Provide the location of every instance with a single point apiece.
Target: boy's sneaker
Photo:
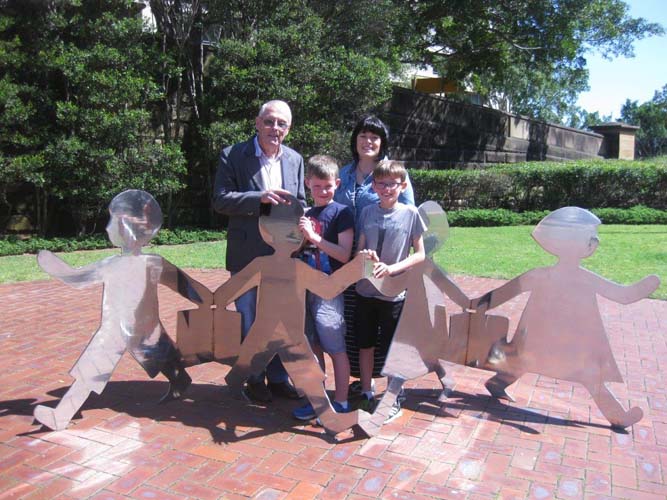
(394, 412)
(305, 412)
(338, 408)
(367, 404)
(354, 389)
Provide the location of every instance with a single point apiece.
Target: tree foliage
(77, 87)
(529, 55)
(651, 117)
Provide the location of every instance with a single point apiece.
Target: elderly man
(252, 176)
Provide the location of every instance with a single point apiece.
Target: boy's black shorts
(374, 317)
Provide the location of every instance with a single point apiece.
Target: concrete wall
(436, 133)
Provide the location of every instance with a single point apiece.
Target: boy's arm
(381, 269)
(341, 251)
(78, 277)
(626, 294)
(183, 284)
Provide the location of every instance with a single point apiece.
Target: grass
(625, 255)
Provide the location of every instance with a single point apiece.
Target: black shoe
(257, 392)
(284, 390)
(179, 381)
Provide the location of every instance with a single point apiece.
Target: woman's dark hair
(372, 124)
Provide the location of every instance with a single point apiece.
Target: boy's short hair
(390, 168)
(322, 167)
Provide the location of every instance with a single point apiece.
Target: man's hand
(275, 196)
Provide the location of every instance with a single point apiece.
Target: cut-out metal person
(560, 333)
(130, 310)
(421, 341)
(282, 282)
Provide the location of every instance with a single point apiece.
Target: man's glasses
(282, 125)
(387, 185)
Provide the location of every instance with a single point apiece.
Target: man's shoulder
(291, 154)
(245, 147)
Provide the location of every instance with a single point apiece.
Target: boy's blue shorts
(325, 323)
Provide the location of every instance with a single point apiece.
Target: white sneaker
(394, 412)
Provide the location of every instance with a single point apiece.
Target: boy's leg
(329, 322)
(91, 373)
(385, 408)
(366, 326)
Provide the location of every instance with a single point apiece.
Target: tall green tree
(651, 117)
(78, 87)
(529, 56)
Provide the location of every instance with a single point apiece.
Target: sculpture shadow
(228, 418)
(486, 407)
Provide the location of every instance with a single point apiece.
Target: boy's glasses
(268, 122)
(387, 185)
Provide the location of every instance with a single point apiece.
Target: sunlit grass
(625, 255)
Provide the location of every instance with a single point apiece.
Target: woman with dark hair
(369, 144)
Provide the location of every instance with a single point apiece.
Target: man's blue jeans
(246, 304)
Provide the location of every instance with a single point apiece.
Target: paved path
(551, 443)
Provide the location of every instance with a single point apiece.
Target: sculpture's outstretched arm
(336, 283)
(626, 294)
(238, 284)
(78, 277)
(446, 285)
(503, 293)
(183, 284)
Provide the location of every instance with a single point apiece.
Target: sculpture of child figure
(279, 327)
(130, 311)
(422, 342)
(560, 333)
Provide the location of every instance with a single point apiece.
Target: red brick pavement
(551, 443)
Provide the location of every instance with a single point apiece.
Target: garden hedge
(547, 185)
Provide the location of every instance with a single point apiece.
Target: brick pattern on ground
(551, 443)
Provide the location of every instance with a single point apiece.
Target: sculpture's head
(569, 232)
(280, 227)
(435, 219)
(135, 218)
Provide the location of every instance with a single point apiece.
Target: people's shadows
(227, 417)
(490, 409)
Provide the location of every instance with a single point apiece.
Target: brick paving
(551, 443)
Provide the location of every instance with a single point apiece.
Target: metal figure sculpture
(422, 342)
(130, 319)
(560, 333)
(282, 282)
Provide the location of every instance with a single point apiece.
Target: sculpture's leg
(446, 382)
(91, 373)
(497, 384)
(249, 362)
(612, 409)
(308, 378)
(371, 424)
(57, 418)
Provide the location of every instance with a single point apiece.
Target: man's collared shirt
(270, 170)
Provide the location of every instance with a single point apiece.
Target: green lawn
(626, 254)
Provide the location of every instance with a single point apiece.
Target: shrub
(547, 185)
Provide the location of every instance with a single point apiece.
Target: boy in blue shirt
(329, 231)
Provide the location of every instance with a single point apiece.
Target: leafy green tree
(528, 55)
(77, 89)
(651, 117)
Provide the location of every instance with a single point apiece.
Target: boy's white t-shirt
(390, 233)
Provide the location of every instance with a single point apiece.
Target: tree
(77, 89)
(527, 54)
(651, 117)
